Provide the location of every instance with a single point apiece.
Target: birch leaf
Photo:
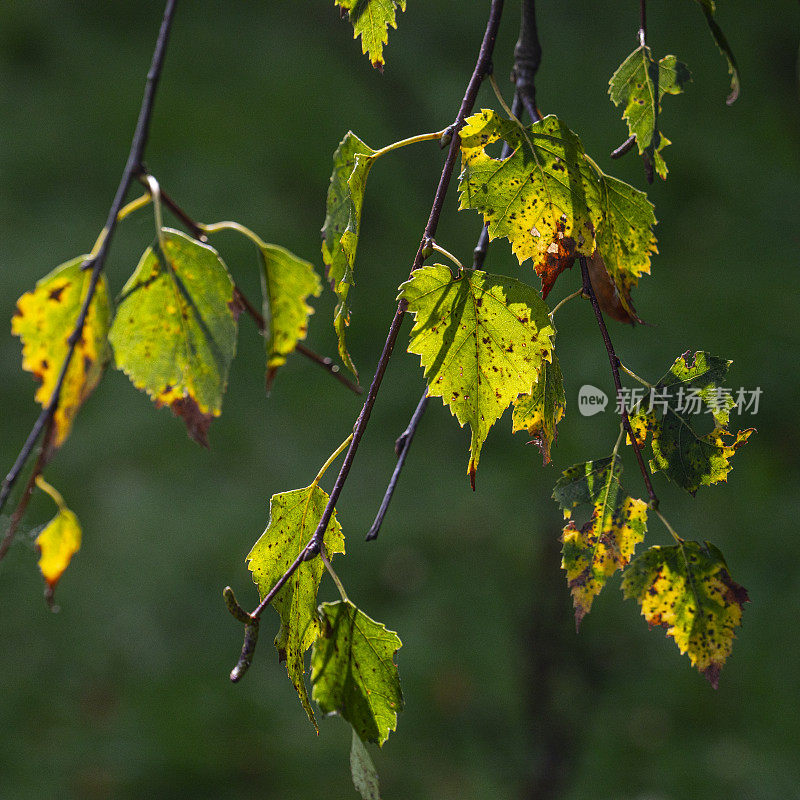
(709, 9)
(293, 518)
(286, 282)
(351, 164)
(365, 776)
(539, 412)
(553, 203)
(482, 340)
(687, 588)
(605, 544)
(44, 321)
(371, 20)
(174, 334)
(353, 671)
(58, 541)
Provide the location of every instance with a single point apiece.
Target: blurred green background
(124, 693)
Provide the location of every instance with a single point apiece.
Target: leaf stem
(96, 262)
(339, 450)
(52, 491)
(326, 561)
(216, 227)
(615, 363)
(134, 205)
(421, 137)
(155, 193)
(482, 68)
(500, 99)
(578, 293)
(432, 244)
(669, 527)
(635, 376)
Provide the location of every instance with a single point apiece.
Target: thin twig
(614, 361)
(482, 68)
(527, 59)
(326, 363)
(643, 23)
(402, 446)
(133, 167)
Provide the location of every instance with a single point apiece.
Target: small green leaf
(553, 203)
(293, 518)
(721, 41)
(636, 83)
(353, 671)
(606, 542)
(174, 334)
(482, 340)
(365, 776)
(539, 412)
(351, 164)
(692, 389)
(687, 589)
(286, 282)
(44, 320)
(371, 20)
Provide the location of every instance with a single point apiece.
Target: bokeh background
(124, 693)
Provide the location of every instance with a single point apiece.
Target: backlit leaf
(293, 518)
(687, 588)
(709, 8)
(351, 164)
(640, 83)
(539, 412)
(286, 282)
(365, 776)
(553, 203)
(57, 543)
(690, 393)
(371, 20)
(44, 320)
(482, 340)
(605, 544)
(174, 334)
(353, 671)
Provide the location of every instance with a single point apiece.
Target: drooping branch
(133, 168)
(614, 361)
(482, 68)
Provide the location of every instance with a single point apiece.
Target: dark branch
(133, 167)
(527, 58)
(614, 361)
(482, 68)
(401, 447)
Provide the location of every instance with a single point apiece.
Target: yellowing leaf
(44, 320)
(687, 589)
(640, 83)
(606, 542)
(371, 20)
(351, 164)
(353, 671)
(286, 281)
(174, 334)
(552, 202)
(539, 412)
(482, 340)
(294, 517)
(58, 541)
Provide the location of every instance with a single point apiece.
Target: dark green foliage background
(124, 694)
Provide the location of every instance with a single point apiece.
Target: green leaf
(371, 20)
(365, 776)
(353, 671)
(294, 517)
(351, 164)
(174, 334)
(640, 83)
(553, 203)
(44, 320)
(286, 282)
(692, 389)
(539, 412)
(606, 542)
(687, 588)
(721, 41)
(482, 340)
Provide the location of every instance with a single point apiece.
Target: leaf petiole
(635, 376)
(669, 527)
(155, 194)
(421, 137)
(54, 493)
(325, 560)
(339, 450)
(216, 227)
(569, 297)
(436, 248)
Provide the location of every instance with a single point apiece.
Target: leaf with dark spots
(175, 333)
(44, 321)
(478, 359)
(687, 588)
(539, 412)
(371, 20)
